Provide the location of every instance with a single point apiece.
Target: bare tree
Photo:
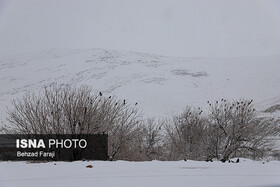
(61, 109)
(234, 128)
(152, 140)
(186, 133)
(228, 130)
(124, 129)
(146, 144)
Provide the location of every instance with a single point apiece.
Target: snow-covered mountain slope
(161, 85)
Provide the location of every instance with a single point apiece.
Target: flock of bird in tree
(124, 101)
(238, 106)
(225, 106)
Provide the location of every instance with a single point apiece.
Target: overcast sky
(168, 27)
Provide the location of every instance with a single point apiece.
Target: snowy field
(141, 174)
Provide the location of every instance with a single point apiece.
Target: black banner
(53, 147)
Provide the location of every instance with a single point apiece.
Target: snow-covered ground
(141, 174)
(161, 85)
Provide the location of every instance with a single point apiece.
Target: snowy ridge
(161, 85)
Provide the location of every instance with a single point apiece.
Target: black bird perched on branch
(85, 110)
(109, 97)
(136, 103)
(100, 94)
(124, 101)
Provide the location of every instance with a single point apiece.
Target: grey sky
(168, 27)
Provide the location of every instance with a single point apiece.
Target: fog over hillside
(160, 85)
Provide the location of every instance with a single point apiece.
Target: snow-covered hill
(161, 85)
(141, 174)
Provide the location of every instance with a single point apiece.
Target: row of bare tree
(228, 129)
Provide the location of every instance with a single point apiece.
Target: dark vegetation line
(222, 131)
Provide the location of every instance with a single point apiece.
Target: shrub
(229, 129)
(61, 109)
